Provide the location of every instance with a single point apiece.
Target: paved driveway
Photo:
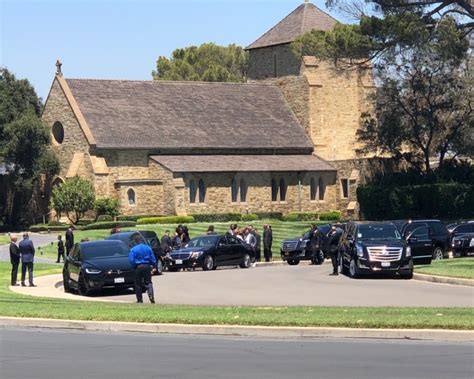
(282, 286)
(38, 240)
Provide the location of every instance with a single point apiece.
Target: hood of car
(107, 264)
(387, 243)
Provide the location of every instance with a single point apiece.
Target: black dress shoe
(23, 284)
(334, 274)
(152, 301)
(32, 285)
(139, 302)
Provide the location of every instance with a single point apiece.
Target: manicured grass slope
(456, 268)
(281, 231)
(4, 239)
(15, 305)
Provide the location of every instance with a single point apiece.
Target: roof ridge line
(185, 82)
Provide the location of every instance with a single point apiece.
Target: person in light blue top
(143, 261)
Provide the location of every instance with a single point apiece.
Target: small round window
(58, 132)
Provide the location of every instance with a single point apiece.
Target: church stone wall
(272, 62)
(259, 193)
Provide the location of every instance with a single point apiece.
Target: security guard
(143, 262)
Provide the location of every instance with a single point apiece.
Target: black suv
(430, 238)
(374, 247)
(294, 250)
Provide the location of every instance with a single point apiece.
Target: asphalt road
(300, 285)
(39, 354)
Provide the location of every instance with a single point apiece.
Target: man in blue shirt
(143, 261)
(27, 252)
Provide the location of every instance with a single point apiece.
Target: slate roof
(187, 115)
(242, 163)
(302, 20)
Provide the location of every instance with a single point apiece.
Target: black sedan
(92, 266)
(463, 245)
(211, 251)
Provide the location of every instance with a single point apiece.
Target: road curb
(444, 280)
(241, 331)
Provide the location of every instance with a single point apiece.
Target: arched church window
(243, 191)
(202, 191)
(313, 189)
(131, 197)
(233, 190)
(192, 192)
(274, 190)
(283, 189)
(322, 189)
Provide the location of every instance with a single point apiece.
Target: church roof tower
(303, 19)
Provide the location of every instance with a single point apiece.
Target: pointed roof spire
(302, 20)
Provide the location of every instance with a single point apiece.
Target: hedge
(441, 200)
(269, 215)
(330, 216)
(217, 217)
(249, 217)
(135, 217)
(166, 220)
(109, 225)
(45, 228)
(103, 218)
(301, 216)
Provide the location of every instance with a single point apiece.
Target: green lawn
(281, 231)
(456, 268)
(15, 305)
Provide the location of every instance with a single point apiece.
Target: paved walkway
(38, 240)
(278, 286)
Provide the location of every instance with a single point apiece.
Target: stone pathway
(38, 240)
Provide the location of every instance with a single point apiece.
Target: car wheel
(438, 254)
(82, 287)
(208, 263)
(245, 261)
(408, 274)
(159, 267)
(353, 269)
(319, 258)
(293, 262)
(66, 285)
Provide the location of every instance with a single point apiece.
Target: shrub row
(45, 227)
(227, 217)
(103, 218)
(109, 225)
(135, 217)
(166, 220)
(311, 216)
(442, 200)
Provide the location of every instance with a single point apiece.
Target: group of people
(179, 239)
(320, 241)
(24, 252)
(251, 237)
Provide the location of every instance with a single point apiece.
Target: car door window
(464, 228)
(438, 228)
(232, 240)
(222, 242)
(421, 233)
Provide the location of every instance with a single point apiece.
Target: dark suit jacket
(27, 251)
(69, 239)
(267, 239)
(14, 254)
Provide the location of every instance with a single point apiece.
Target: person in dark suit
(267, 242)
(315, 244)
(258, 247)
(27, 251)
(14, 259)
(334, 237)
(60, 249)
(69, 239)
(166, 242)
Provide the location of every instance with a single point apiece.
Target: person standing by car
(143, 261)
(267, 242)
(69, 239)
(334, 237)
(27, 251)
(166, 242)
(210, 231)
(258, 249)
(315, 240)
(60, 249)
(14, 259)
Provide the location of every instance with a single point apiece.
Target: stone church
(285, 141)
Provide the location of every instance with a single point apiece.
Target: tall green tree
(207, 62)
(24, 148)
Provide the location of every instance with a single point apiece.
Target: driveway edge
(241, 331)
(444, 280)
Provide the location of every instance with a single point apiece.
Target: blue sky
(121, 39)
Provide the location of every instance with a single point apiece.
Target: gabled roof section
(302, 20)
(124, 114)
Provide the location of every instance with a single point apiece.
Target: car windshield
(205, 241)
(102, 251)
(378, 232)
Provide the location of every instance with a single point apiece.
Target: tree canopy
(24, 144)
(207, 62)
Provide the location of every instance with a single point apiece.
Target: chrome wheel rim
(352, 267)
(438, 254)
(246, 260)
(209, 262)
